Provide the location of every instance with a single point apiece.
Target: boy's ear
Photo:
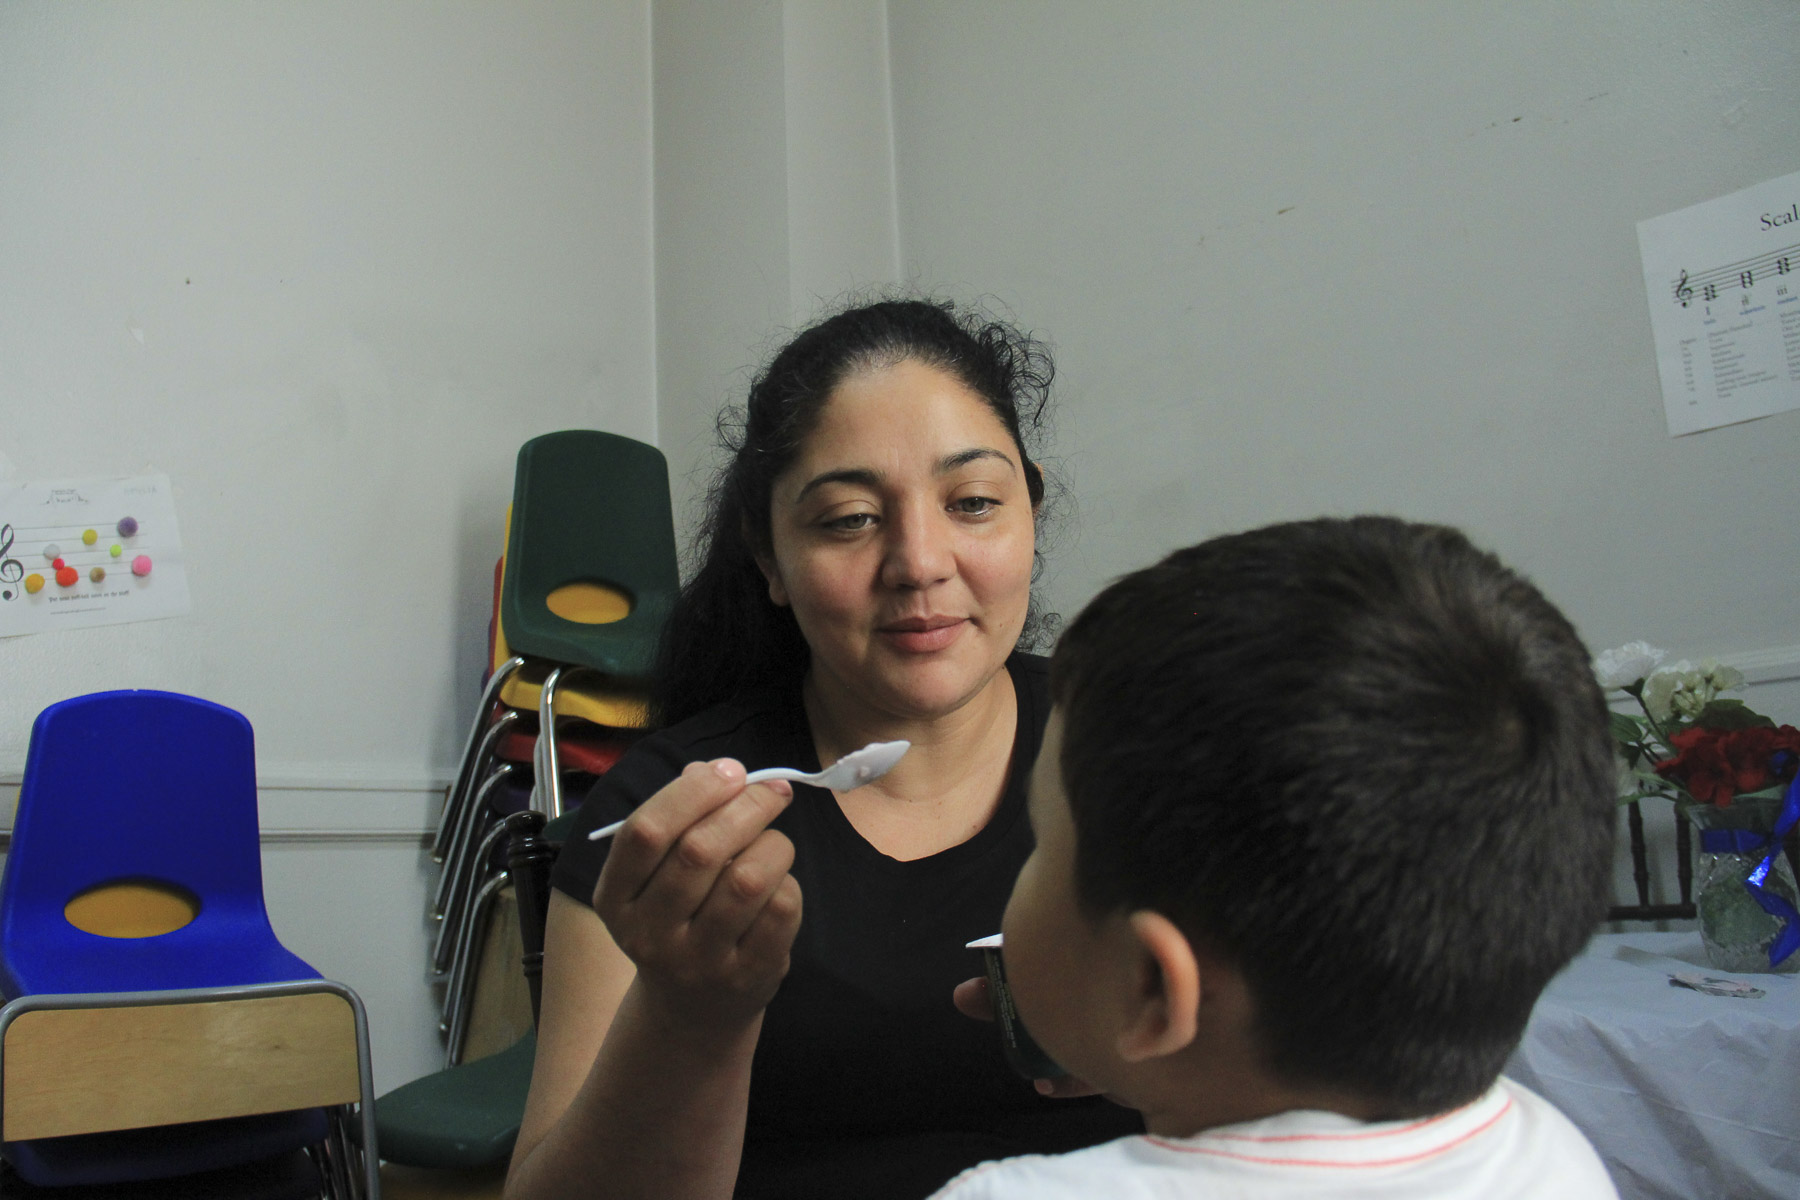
(1165, 1000)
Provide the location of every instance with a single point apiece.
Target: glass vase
(1733, 926)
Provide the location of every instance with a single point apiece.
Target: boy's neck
(1207, 1088)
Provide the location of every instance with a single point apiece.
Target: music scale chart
(1723, 278)
(83, 552)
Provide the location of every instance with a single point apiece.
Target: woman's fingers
(972, 999)
(763, 950)
(1066, 1087)
(740, 892)
(671, 851)
(697, 892)
(723, 865)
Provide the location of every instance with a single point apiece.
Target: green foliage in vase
(1689, 744)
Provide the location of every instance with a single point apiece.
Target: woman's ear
(771, 573)
(765, 562)
(1165, 1002)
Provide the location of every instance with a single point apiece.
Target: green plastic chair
(468, 1116)
(590, 553)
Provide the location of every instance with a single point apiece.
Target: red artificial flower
(1715, 765)
(1700, 766)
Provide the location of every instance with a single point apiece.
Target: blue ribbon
(1788, 940)
(1733, 841)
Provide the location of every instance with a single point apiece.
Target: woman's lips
(922, 635)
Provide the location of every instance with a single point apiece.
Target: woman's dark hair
(724, 636)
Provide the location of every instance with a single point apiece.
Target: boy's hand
(972, 1000)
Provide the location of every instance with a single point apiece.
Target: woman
(866, 577)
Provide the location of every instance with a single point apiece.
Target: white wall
(775, 194)
(1308, 257)
(326, 264)
(1304, 257)
(369, 249)
(721, 216)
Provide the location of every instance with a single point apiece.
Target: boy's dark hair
(724, 636)
(1364, 762)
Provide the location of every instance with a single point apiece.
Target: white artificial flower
(1690, 698)
(1662, 688)
(1723, 678)
(1683, 689)
(1627, 664)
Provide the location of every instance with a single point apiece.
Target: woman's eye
(975, 506)
(852, 523)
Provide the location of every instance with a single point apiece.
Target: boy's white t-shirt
(1510, 1143)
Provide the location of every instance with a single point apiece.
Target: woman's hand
(972, 999)
(696, 892)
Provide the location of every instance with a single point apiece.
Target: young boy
(1321, 809)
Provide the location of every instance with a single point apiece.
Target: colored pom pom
(67, 576)
(97, 574)
(52, 552)
(59, 564)
(34, 583)
(127, 526)
(116, 550)
(140, 565)
(89, 537)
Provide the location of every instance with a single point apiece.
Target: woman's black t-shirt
(867, 1081)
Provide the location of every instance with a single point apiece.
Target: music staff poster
(82, 552)
(1723, 279)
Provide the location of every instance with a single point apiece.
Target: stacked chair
(158, 1040)
(582, 591)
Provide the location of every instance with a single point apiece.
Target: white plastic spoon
(851, 771)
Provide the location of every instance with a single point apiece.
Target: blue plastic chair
(158, 788)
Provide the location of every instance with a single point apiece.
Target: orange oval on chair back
(132, 908)
(589, 603)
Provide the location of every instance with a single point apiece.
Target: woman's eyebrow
(963, 458)
(861, 476)
(869, 477)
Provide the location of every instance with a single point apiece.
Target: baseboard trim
(343, 803)
(324, 805)
(1777, 664)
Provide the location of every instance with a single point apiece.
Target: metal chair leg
(546, 787)
(458, 911)
(458, 871)
(467, 772)
(472, 804)
(335, 1173)
(355, 1158)
(462, 975)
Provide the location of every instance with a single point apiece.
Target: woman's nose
(919, 552)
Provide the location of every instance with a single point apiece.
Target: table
(1684, 1095)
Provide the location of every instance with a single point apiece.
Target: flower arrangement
(1690, 745)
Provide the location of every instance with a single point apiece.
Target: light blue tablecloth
(1686, 1096)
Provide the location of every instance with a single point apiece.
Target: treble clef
(11, 569)
(1683, 293)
